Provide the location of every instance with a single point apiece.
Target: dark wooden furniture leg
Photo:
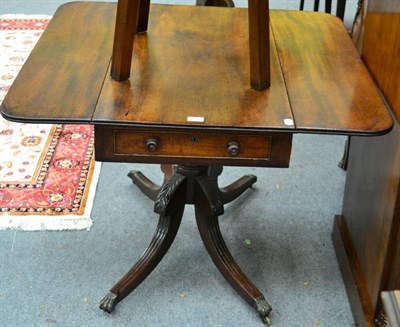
(132, 17)
(125, 29)
(316, 5)
(216, 3)
(143, 19)
(340, 8)
(234, 190)
(208, 206)
(259, 44)
(328, 6)
(170, 206)
(196, 185)
(149, 188)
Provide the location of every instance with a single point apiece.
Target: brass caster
(264, 309)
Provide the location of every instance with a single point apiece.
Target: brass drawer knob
(233, 149)
(151, 144)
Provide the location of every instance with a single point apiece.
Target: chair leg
(328, 6)
(125, 29)
(259, 44)
(143, 19)
(216, 3)
(316, 5)
(340, 8)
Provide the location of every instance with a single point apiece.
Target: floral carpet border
(18, 22)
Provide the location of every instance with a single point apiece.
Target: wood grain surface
(182, 68)
(63, 76)
(329, 87)
(382, 28)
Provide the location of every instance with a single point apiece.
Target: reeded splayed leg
(168, 225)
(208, 206)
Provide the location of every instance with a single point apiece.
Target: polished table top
(191, 70)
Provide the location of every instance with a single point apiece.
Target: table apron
(161, 145)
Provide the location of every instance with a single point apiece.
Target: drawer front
(192, 145)
(161, 146)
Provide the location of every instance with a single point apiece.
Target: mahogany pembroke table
(192, 102)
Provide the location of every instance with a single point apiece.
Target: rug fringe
(43, 223)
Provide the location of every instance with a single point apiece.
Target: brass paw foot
(109, 302)
(264, 309)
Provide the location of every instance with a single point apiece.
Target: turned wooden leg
(207, 222)
(168, 226)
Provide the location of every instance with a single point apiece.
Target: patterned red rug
(48, 175)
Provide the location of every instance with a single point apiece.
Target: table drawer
(126, 144)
